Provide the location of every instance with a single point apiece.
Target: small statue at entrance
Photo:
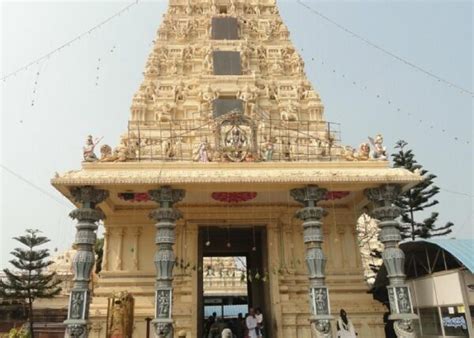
(88, 149)
(120, 316)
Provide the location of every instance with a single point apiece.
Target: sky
(87, 88)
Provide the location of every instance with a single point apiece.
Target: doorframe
(266, 297)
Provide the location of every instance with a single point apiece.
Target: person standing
(259, 317)
(251, 323)
(345, 329)
(240, 326)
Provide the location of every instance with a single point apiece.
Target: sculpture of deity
(208, 62)
(380, 152)
(290, 113)
(207, 96)
(248, 96)
(164, 114)
(120, 316)
(179, 92)
(202, 154)
(363, 153)
(88, 149)
(268, 150)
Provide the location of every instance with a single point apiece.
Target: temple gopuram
(227, 153)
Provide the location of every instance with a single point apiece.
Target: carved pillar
(105, 255)
(87, 216)
(385, 213)
(166, 217)
(311, 216)
(118, 262)
(137, 233)
(341, 231)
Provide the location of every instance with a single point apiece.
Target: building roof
(427, 256)
(185, 173)
(461, 249)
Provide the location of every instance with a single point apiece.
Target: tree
(99, 251)
(29, 281)
(417, 199)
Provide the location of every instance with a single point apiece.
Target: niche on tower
(226, 63)
(225, 28)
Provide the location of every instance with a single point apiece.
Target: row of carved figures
(232, 7)
(201, 28)
(283, 61)
(270, 149)
(364, 152)
(151, 92)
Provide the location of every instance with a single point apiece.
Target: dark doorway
(236, 256)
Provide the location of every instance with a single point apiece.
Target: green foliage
(18, 333)
(418, 199)
(99, 251)
(29, 281)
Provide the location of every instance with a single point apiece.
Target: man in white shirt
(251, 323)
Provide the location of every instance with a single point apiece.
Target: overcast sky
(365, 90)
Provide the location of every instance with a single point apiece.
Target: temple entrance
(234, 276)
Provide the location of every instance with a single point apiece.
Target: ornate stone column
(166, 217)
(87, 216)
(386, 213)
(105, 256)
(315, 260)
(118, 262)
(136, 234)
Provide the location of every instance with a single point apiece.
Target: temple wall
(129, 266)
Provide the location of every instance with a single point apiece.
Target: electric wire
(385, 51)
(68, 43)
(33, 185)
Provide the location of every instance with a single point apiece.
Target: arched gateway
(227, 154)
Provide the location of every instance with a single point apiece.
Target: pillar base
(163, 328)
(321, 326)
(76, 328)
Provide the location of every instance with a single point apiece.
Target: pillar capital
(309, 195)
(88, 196)
(384, 195)
(166, 196)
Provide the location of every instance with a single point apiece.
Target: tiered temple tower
(215, 57)
(226, 133)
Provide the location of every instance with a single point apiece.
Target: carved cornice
(188, 173)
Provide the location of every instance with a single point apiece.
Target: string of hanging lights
(68, 43)
(385, 51)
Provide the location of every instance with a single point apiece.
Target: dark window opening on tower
(227, 63)
(225, 28)
(225, 105)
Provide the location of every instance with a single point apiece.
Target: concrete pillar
(165, 216)
(386, 213)
(311, 215)
(87, 216)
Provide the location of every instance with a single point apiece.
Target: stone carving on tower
(213, 60)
